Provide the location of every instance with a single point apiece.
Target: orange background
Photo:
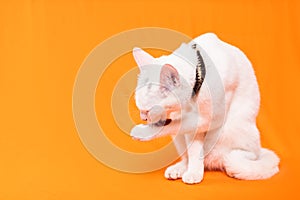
(42, 45)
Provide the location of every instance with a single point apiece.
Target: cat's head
(161, 90)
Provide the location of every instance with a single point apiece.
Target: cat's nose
(144, 115)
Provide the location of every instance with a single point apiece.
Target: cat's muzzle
(156, 115)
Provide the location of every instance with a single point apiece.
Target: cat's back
(223, 56)
(206, 38)
(222, 53)
(229, 60)
(233, 66)
(218, 50)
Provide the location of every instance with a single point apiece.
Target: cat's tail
(246, 165)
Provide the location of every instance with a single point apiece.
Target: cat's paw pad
(192, 177)
(175, 171)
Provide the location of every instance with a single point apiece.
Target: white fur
(237, 149)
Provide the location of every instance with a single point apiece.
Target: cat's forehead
(151, 72)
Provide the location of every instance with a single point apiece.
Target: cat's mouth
(163, 122)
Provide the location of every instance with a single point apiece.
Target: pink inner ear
(169, 76)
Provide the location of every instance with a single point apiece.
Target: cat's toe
(175, 171)
(192, 177)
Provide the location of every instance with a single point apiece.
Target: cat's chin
(163, 122)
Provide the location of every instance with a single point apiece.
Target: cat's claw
(192, 177)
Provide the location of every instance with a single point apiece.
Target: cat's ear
(169, 77)
(141, 57)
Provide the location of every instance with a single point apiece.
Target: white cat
(217, 123)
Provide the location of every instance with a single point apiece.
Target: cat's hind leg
(245, 158)
(246, 165)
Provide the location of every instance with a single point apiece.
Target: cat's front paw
(176, 171)
(142, 132)
(192, 177)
